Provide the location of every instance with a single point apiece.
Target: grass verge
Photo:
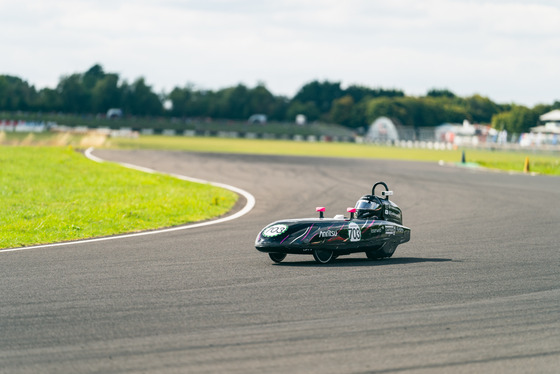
(53, 194)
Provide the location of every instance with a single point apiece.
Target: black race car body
(374, 227)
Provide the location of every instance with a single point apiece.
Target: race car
(374, 227)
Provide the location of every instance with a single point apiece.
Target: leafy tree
(16, 94)
(201, 103)
(95, 91)
(190, 102)
(501, 121)
(341, 111)
(427, 111)
(480, 109)
(180, 99)
(73, 94)
(106, 94)
(231, 103)
(320, 93)
(416, 112)
(92, 76)
(237, 99)
(260, 100)
(358, 114)
(518, 120)
(348, 113)
(49, 100)
(388, 107)
(435, 92)
(309, 109)
(279, 109)
(140, 100)
(76, 90)
(359, 93)
(541, 109)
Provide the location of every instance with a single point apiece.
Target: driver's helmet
(368, 207)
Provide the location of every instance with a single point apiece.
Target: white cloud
(508, 50)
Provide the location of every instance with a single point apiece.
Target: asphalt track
(477, 289)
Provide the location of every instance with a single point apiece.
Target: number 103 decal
(274, 230)
(354, 232)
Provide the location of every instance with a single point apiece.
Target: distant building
(450, 132)
(548, 133)
(551, 124)
(467, 133)
(553, 116)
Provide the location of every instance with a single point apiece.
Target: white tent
(382, 129)
(553, 116)
(551, 123)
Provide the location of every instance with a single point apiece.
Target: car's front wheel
(277, 257)
(323, 256)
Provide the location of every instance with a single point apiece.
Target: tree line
(95, 91)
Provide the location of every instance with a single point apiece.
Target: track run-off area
(477, 288)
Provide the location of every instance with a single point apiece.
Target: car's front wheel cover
(323, 256)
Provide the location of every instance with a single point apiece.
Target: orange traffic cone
(526, 166)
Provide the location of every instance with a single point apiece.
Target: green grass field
(53, 194)
(501, 160)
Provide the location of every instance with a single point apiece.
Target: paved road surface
(477, 289)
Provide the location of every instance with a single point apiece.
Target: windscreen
(365, 204)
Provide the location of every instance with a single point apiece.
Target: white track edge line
(246, 209)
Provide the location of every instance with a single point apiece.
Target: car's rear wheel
(384, 251)
(375, 255)
(389, 249)
(277, 257)
(323, 256)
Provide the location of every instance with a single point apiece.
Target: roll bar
(385, 193)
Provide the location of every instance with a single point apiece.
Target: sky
(506, 50)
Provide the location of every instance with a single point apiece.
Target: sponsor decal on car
(328, 233)
(377, 230)
(274, 230)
